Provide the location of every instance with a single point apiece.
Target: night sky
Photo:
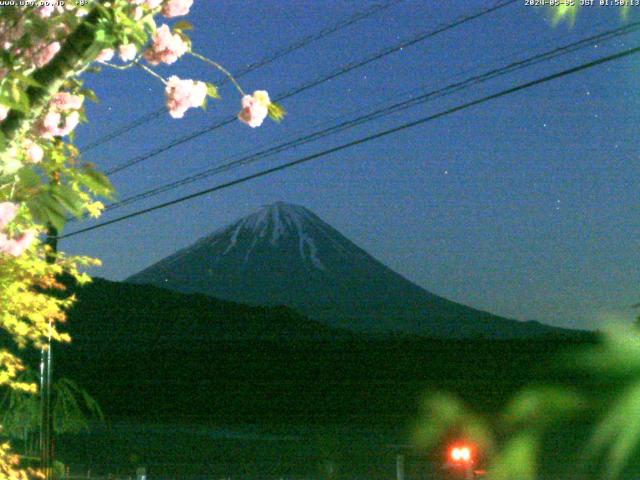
(526, 206)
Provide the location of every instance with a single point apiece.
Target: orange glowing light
(460, 454)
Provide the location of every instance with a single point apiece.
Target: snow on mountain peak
(280, 220)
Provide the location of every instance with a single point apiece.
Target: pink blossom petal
(44, 55)
(64, 101)
(176, 8)
(35, 153)
(8, 211)
(127, 52)
(166, 47)
(105, 55)
(16, 246)
(184, 94)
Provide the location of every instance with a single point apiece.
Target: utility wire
(438, 93)
(384, 133)
(303, 42)
(296, 90)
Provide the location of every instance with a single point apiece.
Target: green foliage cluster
(600, 386)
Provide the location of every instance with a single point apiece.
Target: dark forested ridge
(146, 352)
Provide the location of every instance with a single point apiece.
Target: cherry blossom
(166, 47)
(176, 8)
(43, 55)
(183, 95)
(105, 55)
(55, 124)
(127, 52)
(8, 211)
(255, 108)
(64, 101)
(16, 246)
(33, 152)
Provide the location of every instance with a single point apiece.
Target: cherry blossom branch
(120, 67)
(151, 72)
(221, 68)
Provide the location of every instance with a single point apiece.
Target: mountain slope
(284, 254)
(145, 316)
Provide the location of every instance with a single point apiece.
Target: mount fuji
(284, 254)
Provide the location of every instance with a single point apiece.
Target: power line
(296, 90)
(447, 90)
(384, 133)
(303, 42)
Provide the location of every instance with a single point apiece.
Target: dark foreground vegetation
(144, 352)
(178, 377)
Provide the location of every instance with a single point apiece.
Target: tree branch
(77, 52)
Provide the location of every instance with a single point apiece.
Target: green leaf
(538, 407)
(563, 12)
(9, 165)
(97, 182)
(28, 178)
(45, 209)
(517, 460)
(26, 80)
(276, 112)
(212, 90)
(91, 95)
(617, 355)
(619, 431)
(440, 412)
(68, 198)
(182, 25)
(101, 36)
(39, 26)
(19, 98)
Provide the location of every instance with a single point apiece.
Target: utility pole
(46, 367)
(46, 370)
(400, 466)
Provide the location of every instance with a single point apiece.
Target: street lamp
(461, 458)
(461, 454)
